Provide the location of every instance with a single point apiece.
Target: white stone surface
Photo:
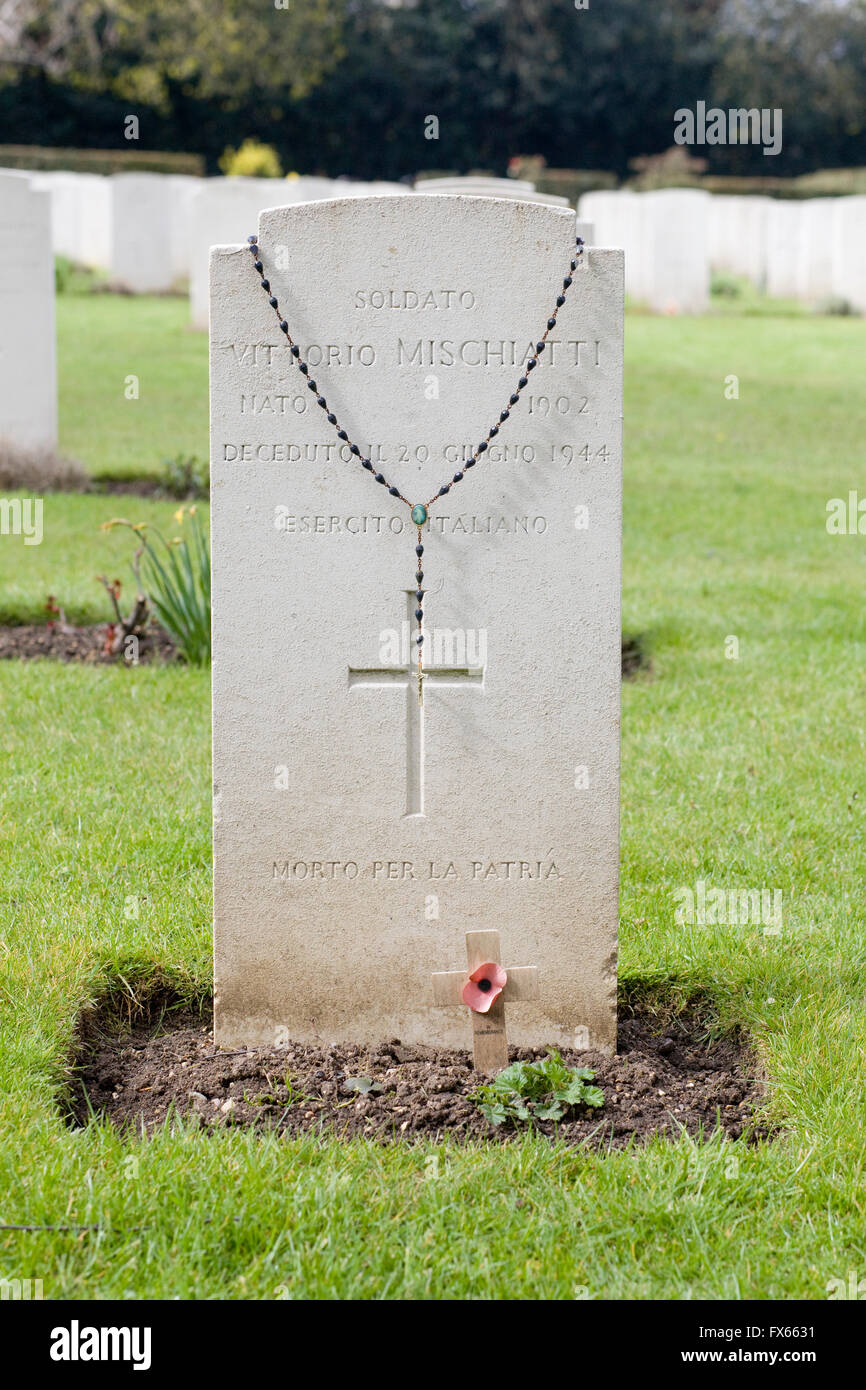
(352, 848)
(28, 371)
(615, 215)
(674, 228)
(815, 269)
(80, 215)
(737, 236)
(227, 209)
(142, 246)
(784, 233)
(477, 187)
(849, 252)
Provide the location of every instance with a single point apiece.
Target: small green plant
(542, 1090)
(185, 476)
(253, 160)
(725, 286)
(175, 574)
(362, 1086)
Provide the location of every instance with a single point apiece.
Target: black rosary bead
(252, 240)
(513, 400)
(574, 265)
(482, 446)
(341, 434)
(532, 364)
(445, 488)
(311, 385)
(354, 449)
(494, 430)
(284, 326)
(394, 491)
(272, 301)
(302, 367)
(566, 282)
(419, 614)
(419, 594)
(457, 477)
(560, 300)
(296, 351)
(470, 463)
(320, 400)
(332, 419)
(419, 576)
(258, 265)
(504, 416)
(420, 639)
(522, 382)
(380, 477)
(551, 323)
(367, 464)
(580, 241)
(419, 550)
(266, 284)
(539, 347)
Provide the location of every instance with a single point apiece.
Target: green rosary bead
(419, 514)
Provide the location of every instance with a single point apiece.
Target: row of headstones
(810, 250)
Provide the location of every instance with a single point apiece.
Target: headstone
(784, 232)
(478, 187)
(849, 253)
(737, 236)
(227, 209)
(142, 251)
(816, 248)
(28, 372)
(80, 215)
(360, 833)
(615, 215)
(675, 233)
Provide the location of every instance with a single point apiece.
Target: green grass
(747, 773)
(101, 341)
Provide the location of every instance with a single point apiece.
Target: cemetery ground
(742, 769)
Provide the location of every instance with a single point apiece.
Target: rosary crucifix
(419, 511)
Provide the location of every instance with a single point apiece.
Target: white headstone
(615, 215)
(849, 253)
(142, 245)
(80, 215)
(358, 834)
(675, 233)
(816, 248)
(784, 232)
(479, 187)
(28, 371)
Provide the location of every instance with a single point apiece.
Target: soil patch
(64, 642)
(658, 1082)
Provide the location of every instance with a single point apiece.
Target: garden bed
(65, 642)
(661, 1081)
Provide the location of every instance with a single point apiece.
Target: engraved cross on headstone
(405, 678)
(489, 1042)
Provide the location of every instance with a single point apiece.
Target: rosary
(419, 511)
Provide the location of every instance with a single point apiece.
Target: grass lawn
(747, 773)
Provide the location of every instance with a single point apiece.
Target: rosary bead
(332, 419)
(514, 400)
(341, 434)
(394, 491)
(574, 265)
(445, 488)
(311, 385)
(539, 347)
(252, 240)
(419, 613)
(560, 300)
(522, 382)
(494, 430)
(302, 367)
(532, 364)
(258, 265)
(457, 477)
(266, 284)
(504, 416)
(580, 241)
(419, 550)
(419, 514)
(320, 400)
(419, 594)
(380, 477)
(551, 323)
(367, 464)
(419, 576)
(296, 351)
(284, 326)
(355, 450)
(470, 463)
(272, 301)
(420, 638)
(566, 282)
(482, 446)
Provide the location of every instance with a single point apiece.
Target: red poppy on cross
(486, 987)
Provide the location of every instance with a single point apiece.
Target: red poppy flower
(484, 985)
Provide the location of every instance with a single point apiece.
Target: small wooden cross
(489, 1043)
